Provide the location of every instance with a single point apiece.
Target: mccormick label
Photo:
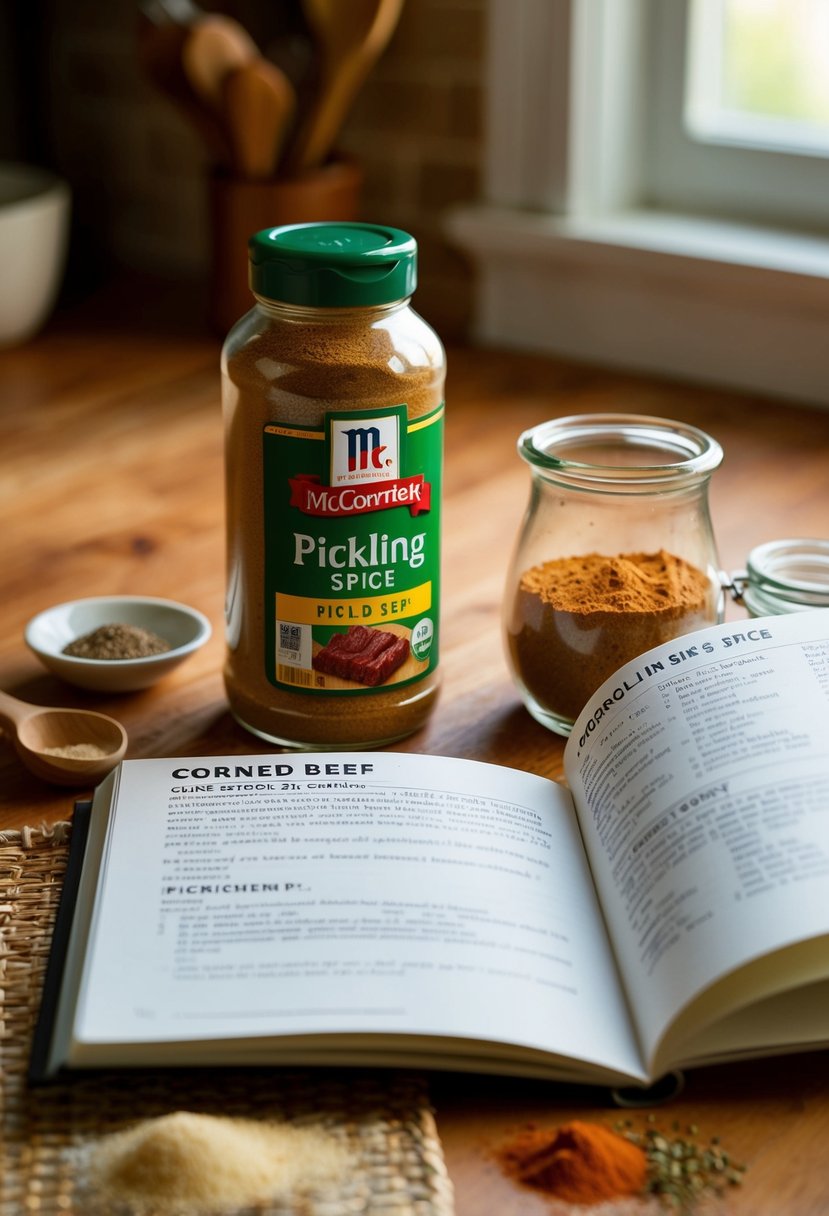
(352, 551)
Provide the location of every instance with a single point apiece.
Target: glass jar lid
(784, 576)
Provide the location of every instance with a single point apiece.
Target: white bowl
(34, 229)
(184, 628)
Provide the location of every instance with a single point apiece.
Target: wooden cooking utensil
(258, 104)
(160, 47)
(214, 46)
(35, 729)
(352, 36)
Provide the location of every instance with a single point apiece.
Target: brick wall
(138, 168)
(418, 131)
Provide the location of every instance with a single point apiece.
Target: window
(738, 122)
(757, 74)
(638, 211)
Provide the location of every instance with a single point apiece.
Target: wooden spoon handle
(349, 52)
(323, 122)
(259, 104)
(13, 712)
(214, 47)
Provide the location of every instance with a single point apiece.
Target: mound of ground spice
(191, 1163)
(578, 1162)
(117, 642)
(575, 620)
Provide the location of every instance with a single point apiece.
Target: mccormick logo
(310, 497)
(367, 452)
(364, 473)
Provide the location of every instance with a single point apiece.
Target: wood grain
(111, 482)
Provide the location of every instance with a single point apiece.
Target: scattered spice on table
(77, 751)
(681, 1170)
(578, 1162)
(588, 1163)
(117, 641)
(188, 1163)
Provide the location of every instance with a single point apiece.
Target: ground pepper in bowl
(576, 620)
(117, 641)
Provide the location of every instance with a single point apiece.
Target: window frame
(732, 173)
(737, 128)
(572, 257)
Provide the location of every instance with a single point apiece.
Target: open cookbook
(670, 908)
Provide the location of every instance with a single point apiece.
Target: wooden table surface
(111, 483)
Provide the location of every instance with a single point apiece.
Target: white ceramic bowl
(34, 230)
(184, 628)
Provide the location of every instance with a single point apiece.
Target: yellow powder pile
(187, 1163)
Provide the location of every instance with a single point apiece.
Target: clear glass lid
(792, 571)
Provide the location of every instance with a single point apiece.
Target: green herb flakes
(680, 1169)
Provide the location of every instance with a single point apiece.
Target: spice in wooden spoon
(65, 746)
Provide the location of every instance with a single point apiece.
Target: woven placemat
(383, 1118)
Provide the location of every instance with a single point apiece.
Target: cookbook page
(701, 771)
(358, 893)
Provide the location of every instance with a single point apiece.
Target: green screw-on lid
(333, 265)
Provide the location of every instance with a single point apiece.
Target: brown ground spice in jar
(575, 620)
(296, 373)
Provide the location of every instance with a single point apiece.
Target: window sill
(697, 298)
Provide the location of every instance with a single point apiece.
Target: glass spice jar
(332, 390)
(784, 576)
(615, 554)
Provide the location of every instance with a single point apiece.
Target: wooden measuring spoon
(351, 37)
(41, 734)
(215, 45)
(258, 103)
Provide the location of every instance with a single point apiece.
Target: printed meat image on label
(367, 656)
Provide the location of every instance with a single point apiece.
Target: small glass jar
(332, 389)
(784, 576)
(616, 553)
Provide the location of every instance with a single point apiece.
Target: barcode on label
(293, 645)
(294, 675)
(290, 637)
